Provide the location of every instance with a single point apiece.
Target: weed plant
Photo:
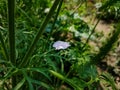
(110, 10)
(28, 60)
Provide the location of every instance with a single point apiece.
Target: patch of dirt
(111, 63)
(102, 26)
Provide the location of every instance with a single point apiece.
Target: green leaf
(58, 75)
(10, 72)
(28, 80)
(108, 78)
(51, 63)
(42, 71)
(3, 61)
(5, 53)
(24, 13)
(19, 85)
(30, 84)
(39, 83)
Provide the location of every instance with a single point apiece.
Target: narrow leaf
(28, 80)
(108, 78)
(39, 83)
(5, 53)
(65, 80)
(42, 71)
(19, 85)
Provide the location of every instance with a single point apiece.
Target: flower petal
(61, 45)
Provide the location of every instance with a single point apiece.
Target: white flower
(61, 45)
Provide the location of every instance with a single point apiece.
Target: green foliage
(28, 60)
(108, 79)
(76, 87)
(15, 73)
(110, 10)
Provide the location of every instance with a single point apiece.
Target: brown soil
(111, 63)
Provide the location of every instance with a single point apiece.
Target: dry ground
(111, 63)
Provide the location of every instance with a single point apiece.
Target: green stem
(58, 10)
(11, 22)
(93, 30)
(55, 19)
(11, 6)
(45, 22)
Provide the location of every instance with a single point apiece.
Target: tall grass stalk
(55, 19)
(93, 30)
(43, 25)
(11, 22)
(11, 7)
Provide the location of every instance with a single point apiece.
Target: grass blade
(41, 71)
(28, 80)
(4, 47)
(19, 85)
(61, 77)
(57, 13)
(40, 83)
(108, 78)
